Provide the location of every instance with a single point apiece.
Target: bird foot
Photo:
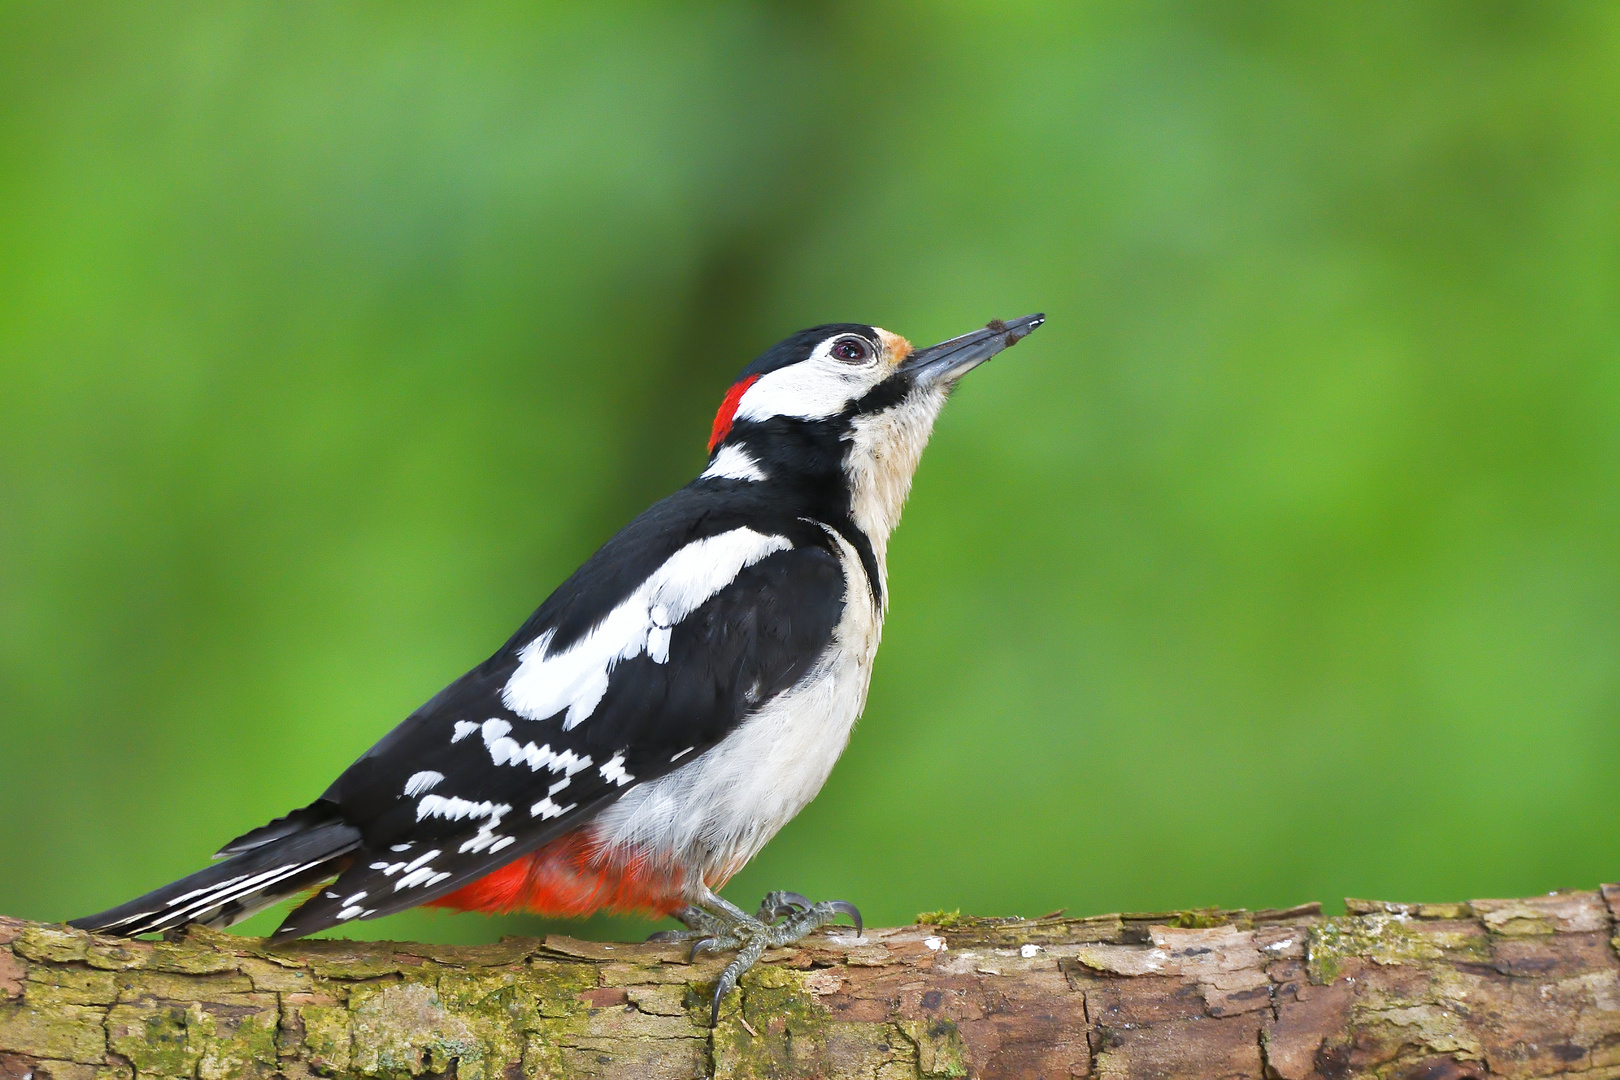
(699, 924)
(783, 919)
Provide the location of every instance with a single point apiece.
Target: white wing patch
(545, 809)
(486, 837)
(419, 871)
(390, 869)
(733, 463)
(576, 678)
(504, 750)
(422, 781)
(613, 772)
(455, 809)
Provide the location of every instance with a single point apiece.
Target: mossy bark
(1517, 988)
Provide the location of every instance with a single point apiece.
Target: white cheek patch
(812, 389)
(733, 463)
(576, 678)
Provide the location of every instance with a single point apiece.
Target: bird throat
(884, 449)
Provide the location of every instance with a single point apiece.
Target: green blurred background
(1283, 564)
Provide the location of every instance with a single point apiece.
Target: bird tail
(265, 866)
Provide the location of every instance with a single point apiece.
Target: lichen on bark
(1518, 988)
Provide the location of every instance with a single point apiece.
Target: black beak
(950, 360)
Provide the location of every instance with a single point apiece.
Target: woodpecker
(664, 713)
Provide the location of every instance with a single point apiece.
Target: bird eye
(852, 350)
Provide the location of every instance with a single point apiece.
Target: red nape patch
(728, 409)
(568, 878)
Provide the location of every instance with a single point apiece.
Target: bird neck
(883, 450)
(853, 472)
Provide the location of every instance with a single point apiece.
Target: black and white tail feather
(263, 868)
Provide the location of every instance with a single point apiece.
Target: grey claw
(847, 908)
(714, 1013)
(725, 985)
(777, 904)
(707, 944)
(745, 958)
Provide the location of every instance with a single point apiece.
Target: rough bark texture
(1520, 988)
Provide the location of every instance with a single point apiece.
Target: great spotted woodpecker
(669, 708)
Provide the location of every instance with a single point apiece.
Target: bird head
(845, 410)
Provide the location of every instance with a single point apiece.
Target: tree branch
(1522, 988)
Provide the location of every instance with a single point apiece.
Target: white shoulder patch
(733, 463)
(575, 679)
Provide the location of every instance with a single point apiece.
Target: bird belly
(710, 817)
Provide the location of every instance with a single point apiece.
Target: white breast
(710, 817)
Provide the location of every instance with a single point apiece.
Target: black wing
(467, 784)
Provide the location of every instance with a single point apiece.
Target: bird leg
(716, 925)
(699, 924)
